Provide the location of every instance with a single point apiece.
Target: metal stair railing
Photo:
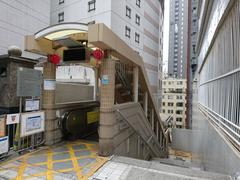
(123, 77)
(143, 128)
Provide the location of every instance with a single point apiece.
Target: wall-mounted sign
(32, 123)
(28, 82)
(2, 125)
(49, 84)
(92, 117)
(4, 145)
(105, 80)
(32, 104)
(13, 119)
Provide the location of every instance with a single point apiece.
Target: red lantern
(54, 58)
(98, 54)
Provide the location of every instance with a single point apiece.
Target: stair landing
(122, 168)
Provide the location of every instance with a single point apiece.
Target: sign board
(13, 119)
(92, 117)
(105, 80)
(28, 82)
(49, 84)
(32, 104)
(32, 123)
(2, 125)
(4, 145)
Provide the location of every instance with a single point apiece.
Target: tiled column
(52, 132)
(107, 125)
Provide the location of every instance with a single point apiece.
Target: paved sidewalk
(70, 160)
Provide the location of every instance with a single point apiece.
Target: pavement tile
(86, 161)
(62, 165)
(8, 174)
(60, 149)
(63, 176)
(37, 159)
(31, 170)
(82, 153)
(61, 156)
(79, 146)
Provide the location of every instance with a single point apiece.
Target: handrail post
(135, 84)
(146, 103)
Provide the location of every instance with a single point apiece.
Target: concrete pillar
(145, 103)
(52, 132)
(135, 84)
(107, 123)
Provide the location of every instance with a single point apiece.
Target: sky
(166, 35)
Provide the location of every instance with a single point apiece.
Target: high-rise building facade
(178, 39)
(138, 22)
(174, 100)
(19, 18)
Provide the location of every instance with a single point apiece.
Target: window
(163, 110)
(138, 3)
(61, 17)
(128, 12)
(170, 111)
(137, 37)
(163, 103)
(91, 5)
(60, 1)
(170, 104)
(179, 119)
(137, 19)
(127, 31)
(178, 112)
(170, 97)
(179, 83)
(179, 104)
(178, 126)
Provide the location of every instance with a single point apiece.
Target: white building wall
(19, 18)
(77, 11)
(113, 14)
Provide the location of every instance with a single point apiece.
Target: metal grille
(219, 88)
(19, 144)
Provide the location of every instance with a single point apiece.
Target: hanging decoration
(96, 57)
(54, 58)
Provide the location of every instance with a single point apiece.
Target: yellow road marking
(49, 165)
(74, 160)
(22, 168)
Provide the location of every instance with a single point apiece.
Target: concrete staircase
(132, 169)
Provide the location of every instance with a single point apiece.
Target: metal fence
(16, 143)
(219, 88)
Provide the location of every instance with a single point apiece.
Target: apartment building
(174, 100)
(138, 22)
(19, 18)
(178, 39)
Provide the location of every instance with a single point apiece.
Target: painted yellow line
(74, 160)
(49, 165)
(22, 168)
(93, 169)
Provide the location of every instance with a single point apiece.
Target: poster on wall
(2, 125)
(3, 145)
(32, 104)
(32, 123)
(49, 84)
(13, 119)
